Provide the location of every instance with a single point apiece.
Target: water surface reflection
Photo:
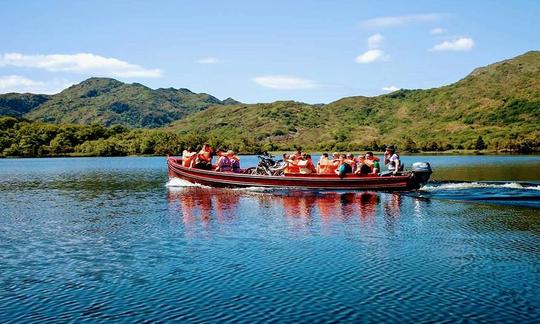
(97, 240)
(299, 209)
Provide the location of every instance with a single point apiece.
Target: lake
(111, 239)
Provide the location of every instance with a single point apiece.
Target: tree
(410, 146)
(480, 144)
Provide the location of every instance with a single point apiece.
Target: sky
(260, 51)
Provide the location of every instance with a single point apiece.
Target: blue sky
(260, 51)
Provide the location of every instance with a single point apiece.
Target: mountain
(500, 102)
(17, 104)
(107, 102)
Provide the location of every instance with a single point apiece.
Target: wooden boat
(406, 181)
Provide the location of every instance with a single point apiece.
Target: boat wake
(181, 183)
(256, 189)
(504, 193)
(478, 185)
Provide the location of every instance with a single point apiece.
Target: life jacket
(224, 163)
(305, 166)
(187, 158)
(331, 168)
(205, 156)
(235, 163)
(326, 166)
(292, 167)
(372, 163)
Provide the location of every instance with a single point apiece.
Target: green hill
(497, 106)
(18, 104)
(107, 102)
(500, 102)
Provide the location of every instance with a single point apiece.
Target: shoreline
(278, 153)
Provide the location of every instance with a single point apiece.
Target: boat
(408, 180)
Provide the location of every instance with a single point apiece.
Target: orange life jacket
(205, 155)
(186, 162)
(292, 167)
(326, 166)
(306, 167)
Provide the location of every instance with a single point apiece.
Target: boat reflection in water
(300, 209)
(204, 204)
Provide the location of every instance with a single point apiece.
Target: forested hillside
(496, 107)
(500, 102)
(109, 102)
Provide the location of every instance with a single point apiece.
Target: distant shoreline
(279, 153)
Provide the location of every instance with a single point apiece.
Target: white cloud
(83, 63)
(437, 31)
(284, 82)
(17, 83)
(375, 41)
(208, 60)
(460, 44)
(372, 56)
(391, 88)
(390, 21)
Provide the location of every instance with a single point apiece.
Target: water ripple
(108, 245)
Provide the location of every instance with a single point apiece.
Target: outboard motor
(422, 172)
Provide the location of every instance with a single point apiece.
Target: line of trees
(21, 137)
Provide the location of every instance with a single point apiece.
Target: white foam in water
(254, 189)
(177, 182)
(478, 185)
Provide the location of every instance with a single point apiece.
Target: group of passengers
(342, 164)
(298, 163)
(226, 160)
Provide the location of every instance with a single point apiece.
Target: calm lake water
(111, 239)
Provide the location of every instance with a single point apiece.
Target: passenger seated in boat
(391, 159)
(296, 155)
(368, 164)
(224, 163)
(204, 158)
(235, 161)
(344, 167)
(336, 160)
(325, 165)
(292, 164)
(351, 161)
(283, 164)
(306, 165)
(188, 157)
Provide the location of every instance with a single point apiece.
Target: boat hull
(320, 182)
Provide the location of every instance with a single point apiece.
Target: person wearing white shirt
(391, 159)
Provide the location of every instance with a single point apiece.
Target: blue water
(111, 239)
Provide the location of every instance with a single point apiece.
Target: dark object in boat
(405, 181)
